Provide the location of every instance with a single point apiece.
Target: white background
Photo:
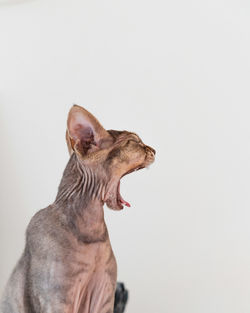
(175, 72)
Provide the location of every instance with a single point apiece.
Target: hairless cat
(68, 265)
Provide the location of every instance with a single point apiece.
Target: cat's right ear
(84, 131)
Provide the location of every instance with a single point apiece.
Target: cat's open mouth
(120, 201)
(112, 197)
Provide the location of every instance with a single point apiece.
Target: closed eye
(135, 139)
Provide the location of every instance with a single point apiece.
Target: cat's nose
(151, 149)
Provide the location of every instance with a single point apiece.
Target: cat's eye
(135, 138)
(133, 141)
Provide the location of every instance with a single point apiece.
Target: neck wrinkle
(79, 187)
(80, 203)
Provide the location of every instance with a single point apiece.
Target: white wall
(177, 73)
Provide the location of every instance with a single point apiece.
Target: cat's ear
(84, 132)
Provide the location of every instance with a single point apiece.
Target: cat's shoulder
(45, 225)
(41, 219)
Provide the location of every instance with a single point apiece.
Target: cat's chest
(92, 277)
(90, 259)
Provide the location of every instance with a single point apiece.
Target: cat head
(110, 154)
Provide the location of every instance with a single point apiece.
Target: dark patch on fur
(113, 154)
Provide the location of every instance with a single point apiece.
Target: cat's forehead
(117, 134)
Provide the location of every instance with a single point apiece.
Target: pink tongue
(124, 202)
(121, 198)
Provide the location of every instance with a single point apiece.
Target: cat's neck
(80, 185)
(80, 198)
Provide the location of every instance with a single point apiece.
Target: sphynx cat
(68, 265)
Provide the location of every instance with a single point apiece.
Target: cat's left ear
(84, 131)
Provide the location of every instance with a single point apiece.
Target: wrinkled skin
(68, 265)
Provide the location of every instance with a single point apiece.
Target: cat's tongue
(120, 198)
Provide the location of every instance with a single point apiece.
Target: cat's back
(13, 297)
